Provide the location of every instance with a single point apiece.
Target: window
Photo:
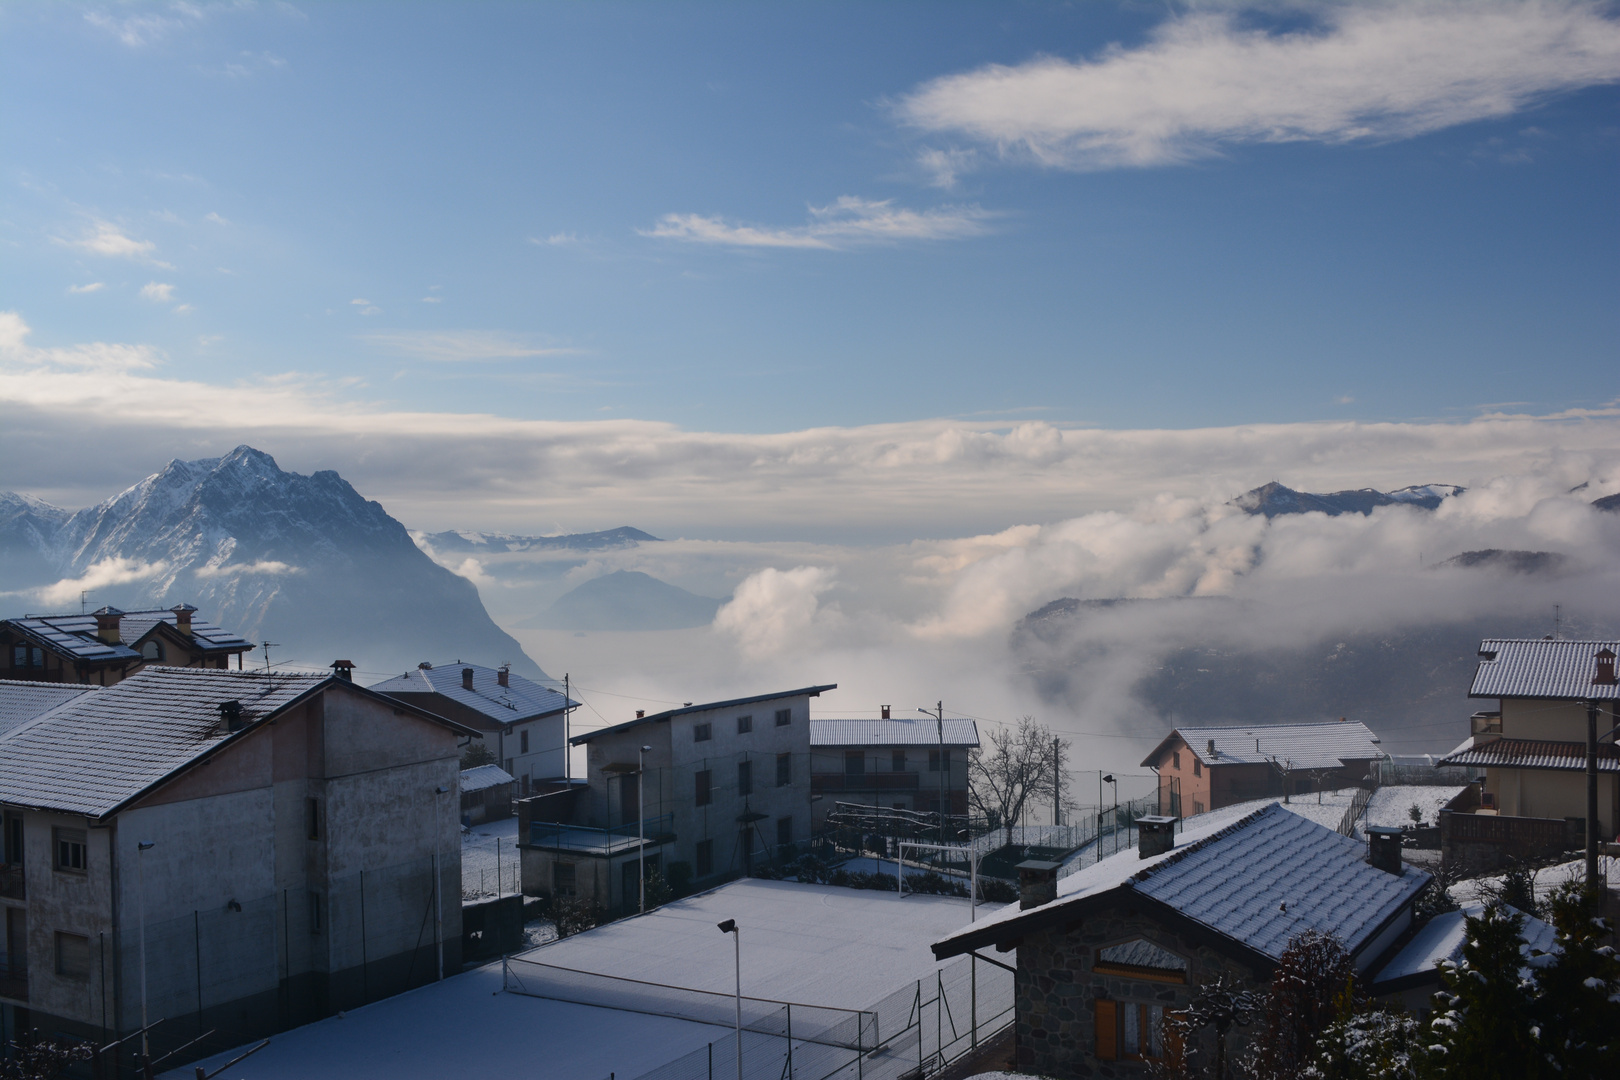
(784, 831)
(702, 732)
(784, 770)
(1175, 759)
(933, 761)
(1198, 807)
(72, 956)
(314, 912)
(523, 741)
(69, 845)
(705, 858)
(784, 717)
(151, 650)
(745, 724)
(745, 842)
(854, 762)
(12, 840)
(745, 778)
(1128, 1031)
(897, 761)
(19, 656)
(1198, 767)
(562, 879)
(705, 787)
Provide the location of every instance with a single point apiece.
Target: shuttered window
(1107, 1030)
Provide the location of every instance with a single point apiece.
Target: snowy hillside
(301, 560)
(1273, 499)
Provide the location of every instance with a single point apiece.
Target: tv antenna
(1558, 622)
(84, 600)
(267, 646)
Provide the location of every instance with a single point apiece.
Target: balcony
(12, 884)
(13, 981)
(865, 781)
(582, 838)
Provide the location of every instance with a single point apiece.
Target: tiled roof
(905, 732)
(1257, 881)
(1303, 746)
(1443, 937)
(482, 777)
(100, 750)
(75, 635)
(522, 699)
(20, 702)
(1533, 754)
(1511, 667)
(669, 714)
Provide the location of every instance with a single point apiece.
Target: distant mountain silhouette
(1273, 499)
(305, 561)
(626, 600)
(1608, 502)
(475, 543)
(1517, 562)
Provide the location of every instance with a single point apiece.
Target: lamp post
(944, 763)
(641, 832)
(438, 880)
(730, 927)
(1113, 831)
(141, 848)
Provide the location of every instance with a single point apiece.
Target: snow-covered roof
(1302, 746)
(708, 706)
(1518, 667)
(21, 702)
(483, 777)
(521, 699)
(75, 635)
(1442, 938)
(903, 732)
(1256, 881)
(1532, 754)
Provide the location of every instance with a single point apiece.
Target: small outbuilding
(486, 794)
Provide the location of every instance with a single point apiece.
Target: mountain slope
(627, 600)
(300, 560)
(28, 529)
(1273, 499)
(476, 543)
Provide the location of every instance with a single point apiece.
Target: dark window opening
(70, 851)
(784, 831)
(312, 818)
(784, 770)
(745, 778)
(854, 762)
(897, 761)
(523, 742)
(705, 787)
(745, 724)
(702, 732)
(314, 912)
(563, 879)
(784, 717)
(705, 858)
(72, 956)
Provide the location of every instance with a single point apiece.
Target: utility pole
(1591, 798)
(1057, 785)
(568, 701)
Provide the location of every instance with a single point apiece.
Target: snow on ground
(486, 850)
(809, 943)
(1547, 880)
(1392, 805)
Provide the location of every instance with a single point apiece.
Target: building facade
(722, 786)
(283, 846)
(1205, 768)
(108, 645)
(917, 764)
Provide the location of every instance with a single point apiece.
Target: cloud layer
(1377, 71)
(849, 222)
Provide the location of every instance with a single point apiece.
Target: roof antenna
(84, 600)
(268, 645)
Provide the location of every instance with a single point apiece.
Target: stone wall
(1057, 988)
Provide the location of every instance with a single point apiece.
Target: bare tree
(1016, 764)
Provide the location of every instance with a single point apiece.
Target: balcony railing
(12, 884)
(865, 781)
(14, 981)
(609, 841)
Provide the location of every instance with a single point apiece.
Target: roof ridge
(1198, 845)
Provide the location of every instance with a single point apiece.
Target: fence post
(790, 1039)
(939, 1009)
(860, 1050)
(919, 1028)
(711, 1061)
(973, 996)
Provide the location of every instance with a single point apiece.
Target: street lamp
(944, 762)
(438, 880)
(641, 831)
(1114, 831)
(730, 927)
(141, 848)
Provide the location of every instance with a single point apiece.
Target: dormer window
(152, 650)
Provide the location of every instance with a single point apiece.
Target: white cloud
(105, 238)
(431, 300)
(262, 567)
(18, 359)
(114, 571)
(158, 292)
(453, 346)
(1380, 71)
(849, 222)
(555, 239)
(147, 27)
(360, 303)
(775, 609)
(215, 218)
(94, 286)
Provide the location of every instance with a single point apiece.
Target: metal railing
(607, 841)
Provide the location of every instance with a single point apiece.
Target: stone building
(1105, 954)
(276, 848)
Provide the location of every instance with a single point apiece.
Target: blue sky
(767, 218)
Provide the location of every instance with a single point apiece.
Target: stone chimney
(424, 666)
(1212, 747)
(107, 620)
(640, 713)
(503, 675)
(886, 712)
(466, 678)
(1605, 668)
(1384, 848)
(1037, 883)
(1154, 836)
(343, 669)
(230, 714)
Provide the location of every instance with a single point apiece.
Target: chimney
(424, 666)
(466, 678)
(182, 617)
(1212, 746)
(1384, 848)
(1154, 836)
(503, 675)
(641, 713)
(886, 712)
(1037, 883)
(107, 620)
(343, 669)
(1605, 668)
(230, 714)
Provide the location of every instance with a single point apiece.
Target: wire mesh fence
(490, 866)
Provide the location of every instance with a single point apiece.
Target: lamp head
(646, 749)
(728, 927)
(144, 845)
(1109, 779)
(441, 791)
